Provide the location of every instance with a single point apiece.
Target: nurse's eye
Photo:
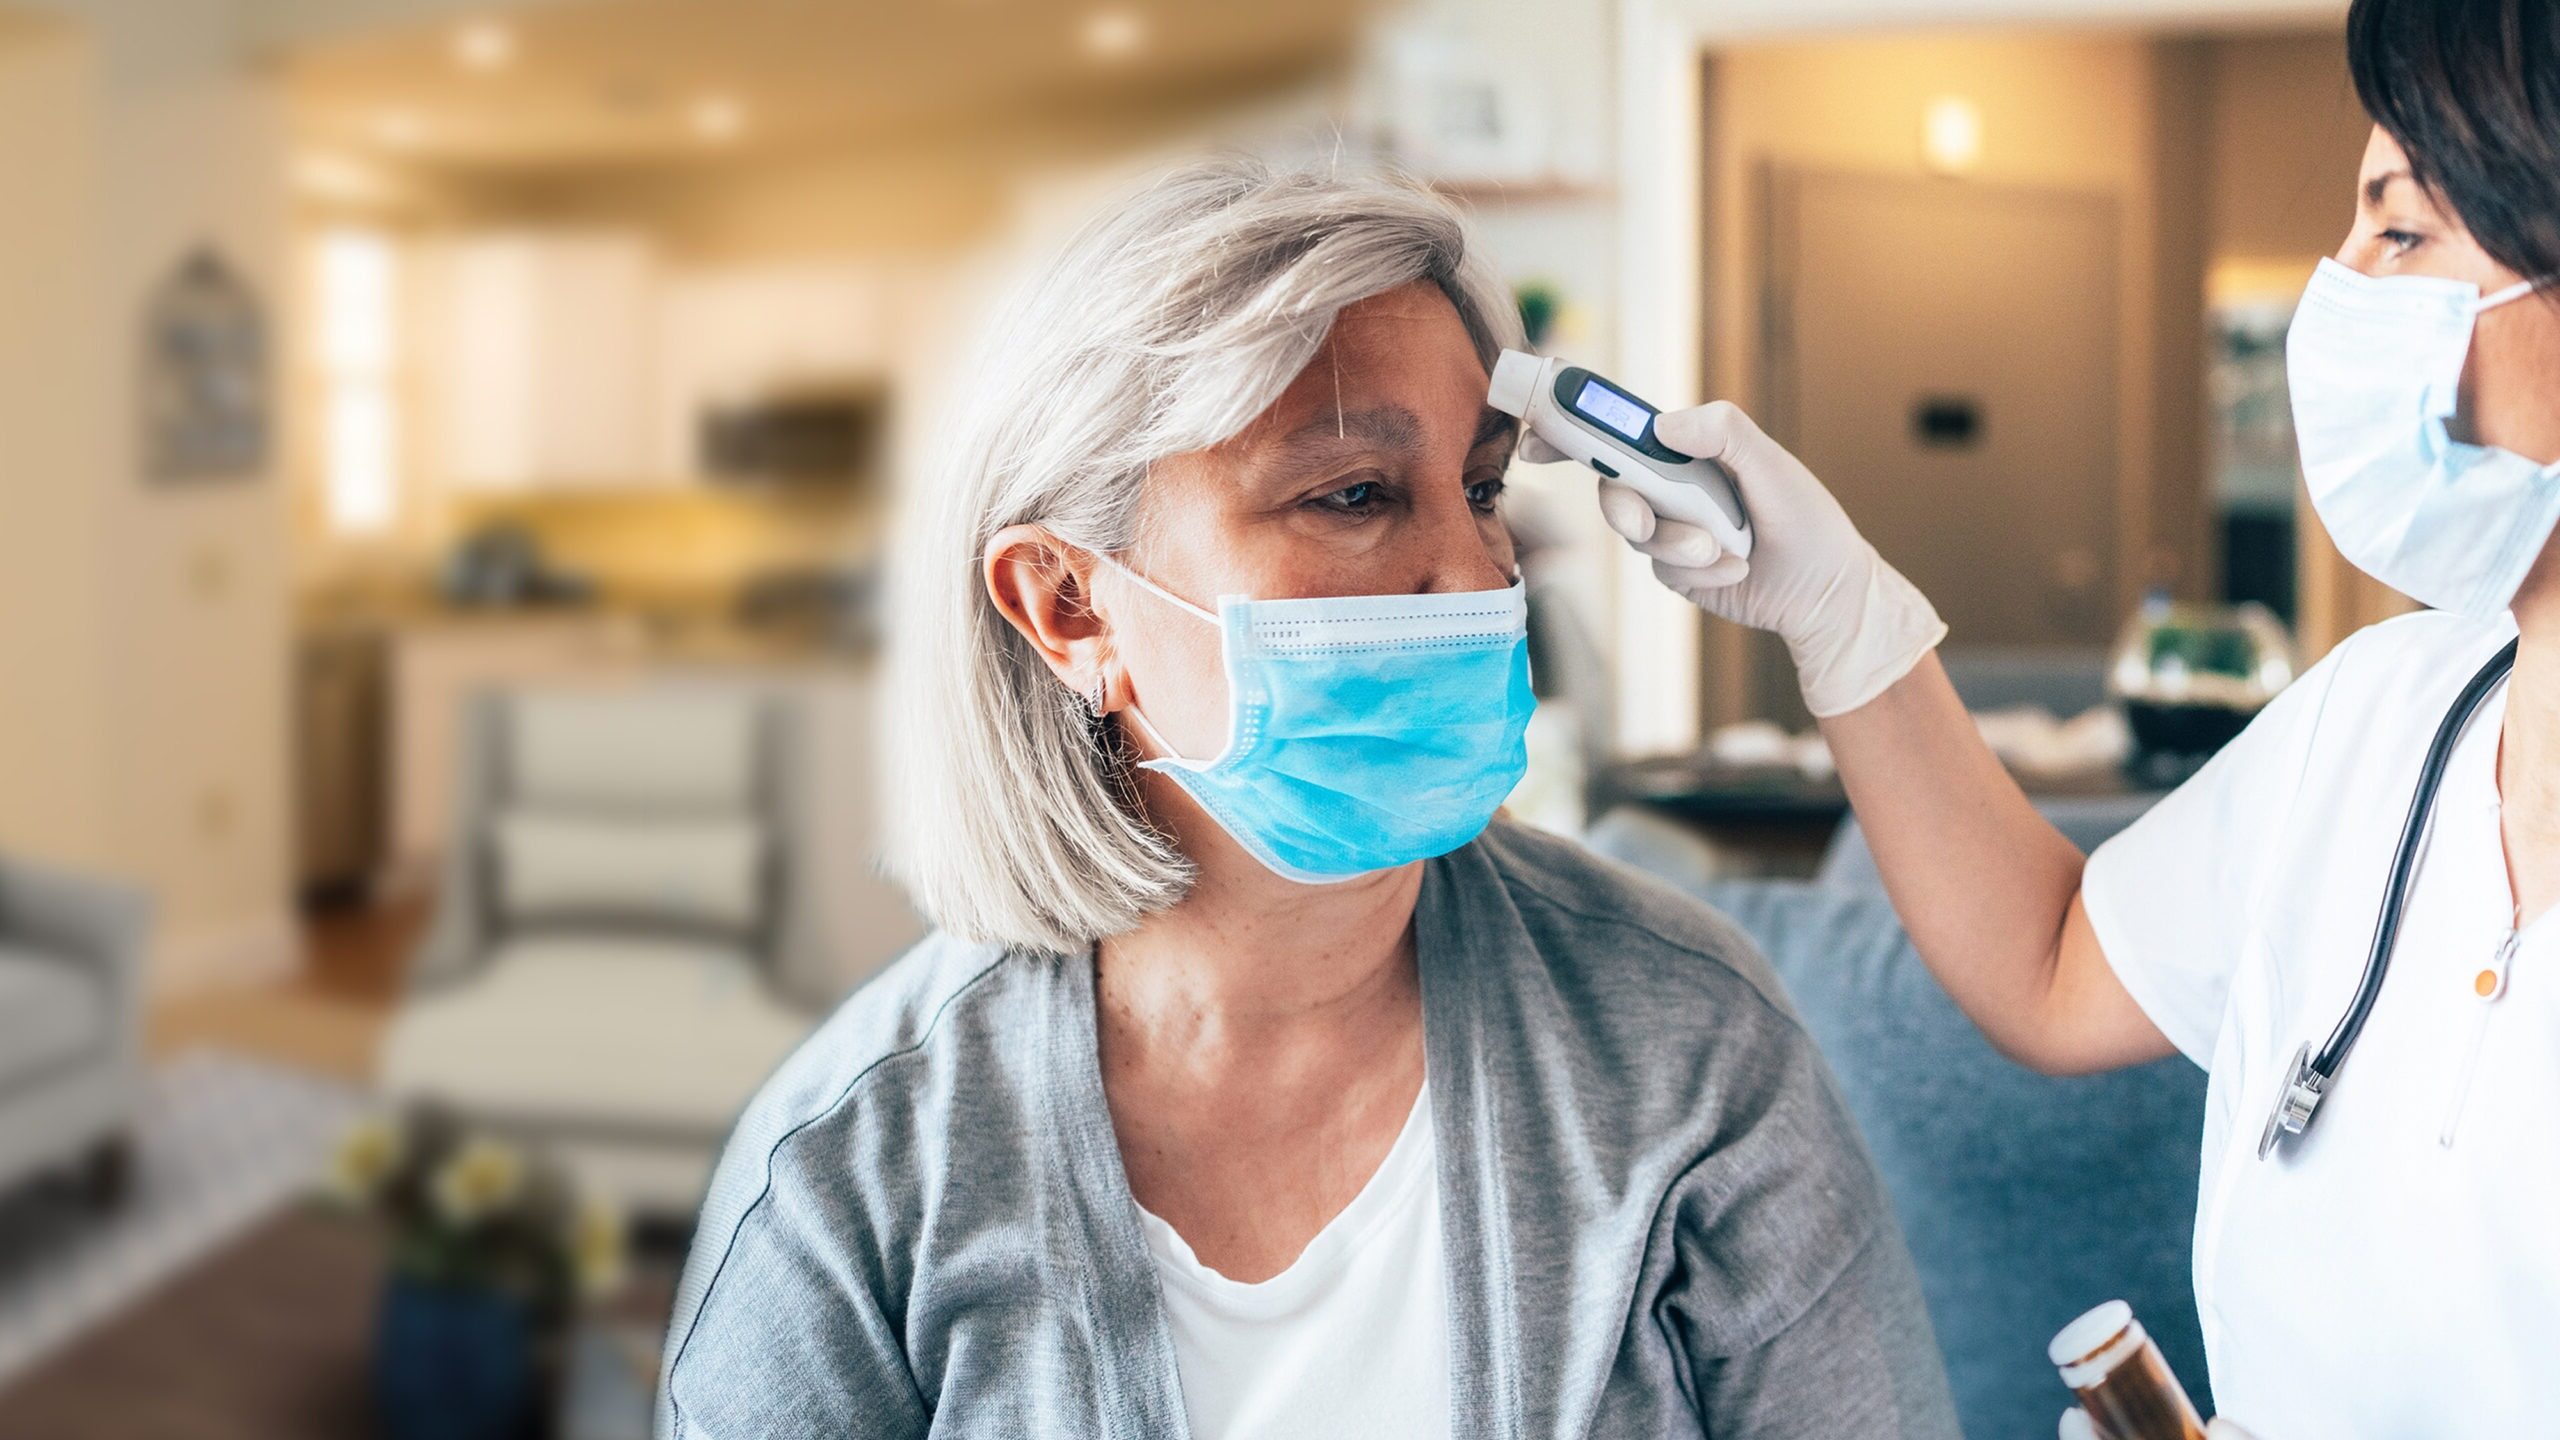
(2402, 241)
(1486, 494)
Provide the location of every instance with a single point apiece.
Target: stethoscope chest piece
(2301, 1095)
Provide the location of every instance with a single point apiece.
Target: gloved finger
(2076, 1425)
(1682, 546)
(1689, 505)
(1729, 570)
(1539, 452)
(1626, 512)
(2221, 1429)
(1717, 430)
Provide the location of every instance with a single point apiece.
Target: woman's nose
(1464, 552)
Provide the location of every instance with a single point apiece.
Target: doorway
(1943, 354)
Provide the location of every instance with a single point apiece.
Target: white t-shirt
(2396, 1271)
(1351, 1341)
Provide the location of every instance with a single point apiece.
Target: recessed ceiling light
(1951, 135)
(402, 128)
(1114, 34)
(484, 45)
(717, 117)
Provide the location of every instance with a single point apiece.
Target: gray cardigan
(1659, 1218)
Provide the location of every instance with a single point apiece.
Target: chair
(627, 938)
(2025, 1198)
(71, 958)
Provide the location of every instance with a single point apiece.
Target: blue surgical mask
(1364, 731)
(2375, 367)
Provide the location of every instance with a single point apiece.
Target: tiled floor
(328, 1019)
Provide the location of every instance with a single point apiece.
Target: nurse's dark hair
(2471, 90)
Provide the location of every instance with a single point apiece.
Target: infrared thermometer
(1599, 423)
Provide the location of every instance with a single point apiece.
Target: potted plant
(491, 1251)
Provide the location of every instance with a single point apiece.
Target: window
(359, 351)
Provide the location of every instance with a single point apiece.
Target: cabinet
(544, 345)
(741, 335)
(569, 360)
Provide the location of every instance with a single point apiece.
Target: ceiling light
(1114, 34)
(717, 117)
(1951, 135)
(484, 45)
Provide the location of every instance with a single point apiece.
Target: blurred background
(447, 456)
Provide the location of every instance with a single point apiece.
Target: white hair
(1165, 327)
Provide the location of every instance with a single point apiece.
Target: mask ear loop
(1158, 591)
(2517, 291)
(1142, 582)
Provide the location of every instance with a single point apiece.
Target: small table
(269, 1339)
(1788, 818)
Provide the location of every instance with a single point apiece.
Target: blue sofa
(2025, 1198)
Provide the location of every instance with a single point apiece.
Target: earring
(1093, 697)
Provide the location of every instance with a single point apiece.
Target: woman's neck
(1247, 951)
(1260, 1046)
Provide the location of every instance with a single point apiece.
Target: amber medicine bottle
(2108, 1360)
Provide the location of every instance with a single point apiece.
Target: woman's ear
(1043, 588)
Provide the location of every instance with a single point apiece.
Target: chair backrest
(674, 805)
(2025, 1198)
(2084, 820)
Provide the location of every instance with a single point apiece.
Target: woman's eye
(1485, 494)
(2402, 241)
(1357, 498)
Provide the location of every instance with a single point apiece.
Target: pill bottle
(2108, 1360)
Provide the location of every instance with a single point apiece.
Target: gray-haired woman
(1257, 1085)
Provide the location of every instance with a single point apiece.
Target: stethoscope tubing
(2404, 862)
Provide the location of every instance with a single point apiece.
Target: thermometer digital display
(1623, 413)
(1588, 418)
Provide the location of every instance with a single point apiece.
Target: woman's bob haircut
(1165, 327)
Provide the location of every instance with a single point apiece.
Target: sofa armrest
(100, 922)
(99, 925)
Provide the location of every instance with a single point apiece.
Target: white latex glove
(1851, 622)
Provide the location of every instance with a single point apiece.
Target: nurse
(2395, 1270)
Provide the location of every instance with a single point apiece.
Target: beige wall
(178, 594)
(52, 684)
(2286, 135)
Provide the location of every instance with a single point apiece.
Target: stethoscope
(2311, 1075)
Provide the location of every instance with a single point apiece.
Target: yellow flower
(597, 1249)
(481, 1178)
(364, 1160)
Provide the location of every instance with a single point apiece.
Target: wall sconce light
(1950, 135)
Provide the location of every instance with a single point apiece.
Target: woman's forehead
(1399, 350)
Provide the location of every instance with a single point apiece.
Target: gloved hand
(1851, 622)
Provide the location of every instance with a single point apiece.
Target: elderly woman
(1260, 1082)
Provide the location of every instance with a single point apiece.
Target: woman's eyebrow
(1329, 437)
(2379, 185)
(1385, 428)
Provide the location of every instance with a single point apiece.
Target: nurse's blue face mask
(1363, 731)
